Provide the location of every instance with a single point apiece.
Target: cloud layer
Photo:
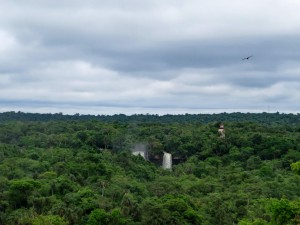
(149, 56)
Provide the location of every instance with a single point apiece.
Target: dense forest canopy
(265, 118)
(60, 169)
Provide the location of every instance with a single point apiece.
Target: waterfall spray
(140, 149)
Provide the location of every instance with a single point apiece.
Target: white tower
(222, 131)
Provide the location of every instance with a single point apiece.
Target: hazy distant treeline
(265, 118)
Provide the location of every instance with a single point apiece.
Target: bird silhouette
(247, 57)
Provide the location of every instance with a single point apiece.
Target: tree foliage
(59, 169)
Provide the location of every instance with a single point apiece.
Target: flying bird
(247, 57)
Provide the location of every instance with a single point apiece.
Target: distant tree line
(264, 118)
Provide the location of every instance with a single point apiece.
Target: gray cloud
(149, 55)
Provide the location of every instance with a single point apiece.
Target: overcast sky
(149, 56)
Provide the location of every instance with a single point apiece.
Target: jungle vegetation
(60, 169)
